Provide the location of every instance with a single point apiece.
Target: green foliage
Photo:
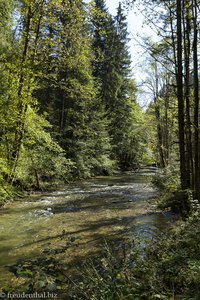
(41, 159)
(176, 258)
(167, 179)
(109, 277)
(68, 92)
(173, 198)
(6, 191)
(42, 274)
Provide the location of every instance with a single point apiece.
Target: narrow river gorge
(74, 221)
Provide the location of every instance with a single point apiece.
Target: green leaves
(56, 70)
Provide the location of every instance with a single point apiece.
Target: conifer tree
(112, 66)
(68, 92)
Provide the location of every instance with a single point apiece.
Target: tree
(177, 25)
(18, 105)
(112, 67)
(68, 92)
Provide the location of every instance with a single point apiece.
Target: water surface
(76, 219)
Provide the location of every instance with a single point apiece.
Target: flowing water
(75, 220)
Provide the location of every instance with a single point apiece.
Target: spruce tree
(68, 92)
(112, 66)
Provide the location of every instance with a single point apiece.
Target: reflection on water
(86, 212)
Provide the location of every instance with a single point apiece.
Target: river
(73, 222)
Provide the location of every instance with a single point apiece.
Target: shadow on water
(73, 222)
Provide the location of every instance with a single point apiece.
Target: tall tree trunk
(189, 153)
(166, 131)
(196, 102)
(181, 117)
(173, 34)
(158, 120)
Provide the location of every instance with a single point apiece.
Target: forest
(71, 112)
(66, 83)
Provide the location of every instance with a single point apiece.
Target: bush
(177, 201)
(167, 179)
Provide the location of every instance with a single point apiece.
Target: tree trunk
(189, 153)
(181, 118)
(166, 131)
(158, 120)
(196, 102)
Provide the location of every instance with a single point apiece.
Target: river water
(75, 220)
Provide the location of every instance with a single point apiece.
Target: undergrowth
(172, 196)
(168, 268)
